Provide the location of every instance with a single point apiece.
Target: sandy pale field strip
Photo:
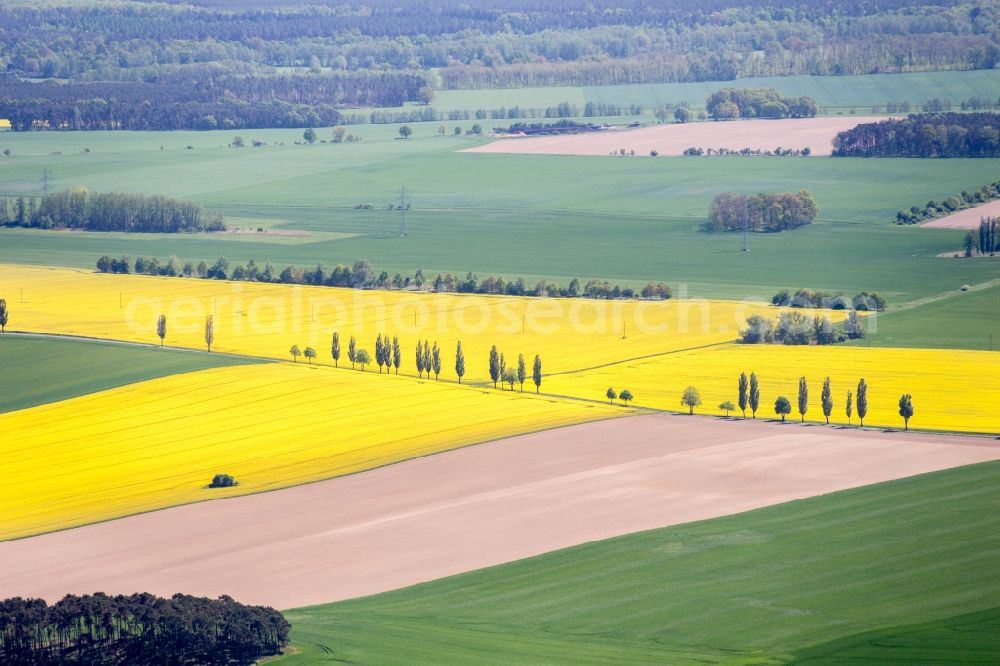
(815, 133)
(966, 219)
(445, 514)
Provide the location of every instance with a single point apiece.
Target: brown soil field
(966, 219)
(674, 138)
(470, 508)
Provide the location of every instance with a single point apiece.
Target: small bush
(223, 481)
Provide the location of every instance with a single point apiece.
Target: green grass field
(37, 371)
(962, 320)
(891, 573)
(629, 220)
(837, 94)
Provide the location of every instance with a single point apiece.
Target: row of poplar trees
(388, 355)
(749, 396)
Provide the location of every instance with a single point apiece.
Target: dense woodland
(109, 211)
(138, 630)
(767, 211)
(249, 63)
(924, 135)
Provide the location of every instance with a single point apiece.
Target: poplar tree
(861, 399)
(335, 349)
(536, 373)
(420, 360)
(744, 386)
(459, 361)
(161, 328)
(522, 371)
(754, 394)
(209, 331)
(849, 406)
(803, 398)
(436, 360)
(352, 351)
(428, 364)
(827, 399)
(494, 365)
(397, 354)
(379, 353)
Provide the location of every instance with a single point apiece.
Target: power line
(402, 208)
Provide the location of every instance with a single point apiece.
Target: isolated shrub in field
(223, 481)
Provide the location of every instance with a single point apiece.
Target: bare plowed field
(966, 219)
(815, 133)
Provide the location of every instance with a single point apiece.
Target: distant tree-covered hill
(385, 52)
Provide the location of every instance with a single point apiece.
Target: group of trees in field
(109, 211)
(138, 630)
(986, 241)
(806, 298)
(923, 135)
(796, 328)
(361, 275)
(624, 395)
(694, 151)
(764, 212)
(935, 209)
(309, 353)
(428, 359)
(504, 375)
(733, 103)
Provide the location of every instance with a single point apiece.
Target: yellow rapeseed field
(267, 319)
(953, 390)
(158, 443)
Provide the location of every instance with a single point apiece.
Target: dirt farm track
(470, 508)
(672, 139)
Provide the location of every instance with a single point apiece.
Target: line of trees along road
(748, 397)
(138, 630)
(389, 356)
(361, 275)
